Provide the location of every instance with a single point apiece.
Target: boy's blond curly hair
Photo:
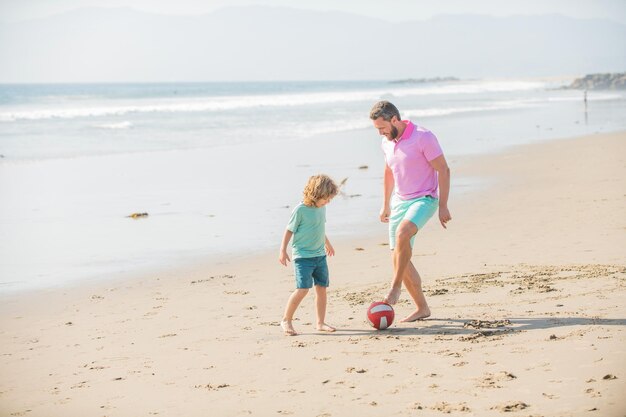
(318, 188)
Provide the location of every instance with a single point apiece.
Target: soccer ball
(380, 315)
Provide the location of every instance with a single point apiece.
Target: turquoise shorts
(311, 271)
(418, 211)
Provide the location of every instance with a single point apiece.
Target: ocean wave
(446, 111)
(591, 96)
(473, 88)
(313, 129)
(308, 130)
(214, 104)
(183, 106)
(120, 125)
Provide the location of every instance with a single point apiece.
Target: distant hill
(277, 43)
(600, 82)
(425, 80)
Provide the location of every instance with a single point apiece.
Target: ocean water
(218, 166)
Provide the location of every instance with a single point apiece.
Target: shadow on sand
(436, 326)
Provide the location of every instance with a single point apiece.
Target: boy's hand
(283, 258)
(330, 251)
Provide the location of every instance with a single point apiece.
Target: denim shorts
(311, 271)
(418, 211)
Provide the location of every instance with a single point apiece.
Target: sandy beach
(526, 288)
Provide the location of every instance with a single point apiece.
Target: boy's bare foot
(417, 315)
(288, 328)
(393, 296)
(325, 328)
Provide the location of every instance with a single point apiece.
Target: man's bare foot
(288, 328)
(417, 315)
(393, 296)
(325, 328)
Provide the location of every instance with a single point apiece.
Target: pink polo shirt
(408, 158)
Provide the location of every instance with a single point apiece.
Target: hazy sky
(393, 10)
(164, 49)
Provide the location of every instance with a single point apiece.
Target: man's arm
(388, 184)
(443, 171)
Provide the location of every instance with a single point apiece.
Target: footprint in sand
(212, 387)
(269, 323)
(594, 393)
(92, 367)
(482, 324)
(510, 406)
(447, 408)
(21, 413)
(358, 371)
(484, 335)
(82, 384)
(439, 291)
(490, 380)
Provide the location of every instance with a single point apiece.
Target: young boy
(309, 249)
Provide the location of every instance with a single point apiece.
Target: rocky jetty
(600, 82)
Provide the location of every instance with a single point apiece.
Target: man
(416, 167)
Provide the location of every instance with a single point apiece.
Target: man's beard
(393, 135)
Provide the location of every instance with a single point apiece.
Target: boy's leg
(320, 309)
(292, 304)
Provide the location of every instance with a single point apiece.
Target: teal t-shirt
(308, 227)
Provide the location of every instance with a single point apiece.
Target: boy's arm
(388, 184)
(283, 258)
(330, 251)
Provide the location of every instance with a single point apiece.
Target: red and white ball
(380, 315)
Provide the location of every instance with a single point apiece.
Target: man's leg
(413, 283)
(401, 258)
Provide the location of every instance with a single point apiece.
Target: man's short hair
(384, 109)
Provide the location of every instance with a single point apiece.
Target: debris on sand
(137, 215)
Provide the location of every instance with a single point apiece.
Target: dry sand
(526, 286)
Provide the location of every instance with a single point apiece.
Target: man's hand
(444, 216)
(385, 212)
(330, 251)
